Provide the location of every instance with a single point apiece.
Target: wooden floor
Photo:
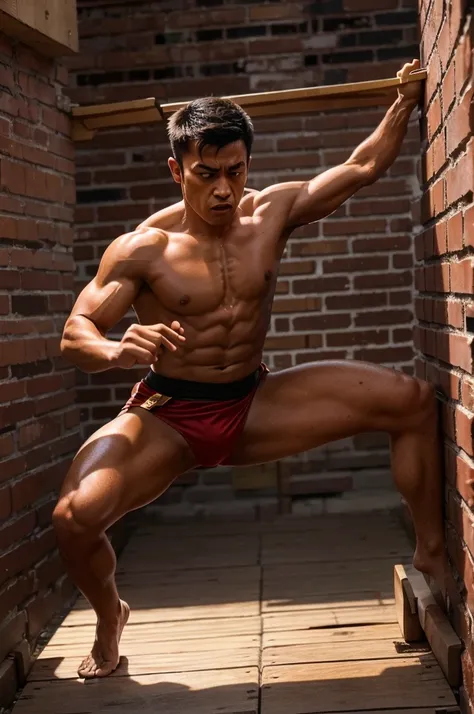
(288, 617)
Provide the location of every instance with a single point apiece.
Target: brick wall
(38, 418)
(444, 278)
(345, 289)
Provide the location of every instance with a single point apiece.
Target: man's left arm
(312, 200)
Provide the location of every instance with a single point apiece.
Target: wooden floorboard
(333, 686)
(294, 617)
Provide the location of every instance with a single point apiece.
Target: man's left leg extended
(304, 407)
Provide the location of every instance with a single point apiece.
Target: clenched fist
(141, 344)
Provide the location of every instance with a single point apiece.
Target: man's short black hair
(210, 121)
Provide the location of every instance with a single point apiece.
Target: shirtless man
(201, 276)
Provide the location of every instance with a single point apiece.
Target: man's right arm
(100, 306)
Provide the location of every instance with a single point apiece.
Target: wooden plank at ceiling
(335, 687)
(49, 26)
(146, 662)
(285, 102)
(225, 691)
(341, 652)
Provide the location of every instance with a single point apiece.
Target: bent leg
(124, 465)
(302, 408)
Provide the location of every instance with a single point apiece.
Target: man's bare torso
(219, 289)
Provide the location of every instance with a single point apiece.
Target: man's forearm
(84, 346)
(378, 152)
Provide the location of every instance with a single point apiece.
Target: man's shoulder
(247, 202)
(165, 219)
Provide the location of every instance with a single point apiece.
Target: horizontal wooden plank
(369, 598)
(200, 597)
(276, 103)
(206, 552)
(335, 687)
(341, 652)
(306, 619)
(180, 578)
(164, 631)
(172, 614)
(224, 691)
(146, 662)
(151, 643)
(333, 636)
(350, 91)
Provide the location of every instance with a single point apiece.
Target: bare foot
(104, 656)
(434, 564)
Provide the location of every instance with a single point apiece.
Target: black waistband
(186, 389)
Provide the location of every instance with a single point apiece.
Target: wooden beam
(89, 119)
(50, 26)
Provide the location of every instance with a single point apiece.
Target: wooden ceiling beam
(88, 120)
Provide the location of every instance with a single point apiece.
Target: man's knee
(72, 519)
(417, 399)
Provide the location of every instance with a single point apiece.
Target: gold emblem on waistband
(156, 400)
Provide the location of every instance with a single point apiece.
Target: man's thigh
(127, 463)
(304, 407)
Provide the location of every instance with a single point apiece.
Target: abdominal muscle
(221, 346)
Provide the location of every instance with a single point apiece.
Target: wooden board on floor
(186, 578)
(342, 651)
(147, 643)
(361, 633)
(165, 631)
(196, 553)
(359, 598)
(201, 597)
(332, 523)
(299, 548)
(225, 691)
(154, 662)
(172, 614)
(307, 619)
(335, 687)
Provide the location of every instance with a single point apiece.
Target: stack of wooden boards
(420, 616)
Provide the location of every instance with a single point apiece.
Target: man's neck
(196, 226)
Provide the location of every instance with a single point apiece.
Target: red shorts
(210, 426)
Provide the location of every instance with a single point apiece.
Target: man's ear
(175, 169)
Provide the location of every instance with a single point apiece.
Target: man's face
(213, 182)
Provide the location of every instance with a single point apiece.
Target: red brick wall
(39, 422)
(445, 276)
(345, 289)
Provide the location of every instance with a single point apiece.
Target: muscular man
(201, 276)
